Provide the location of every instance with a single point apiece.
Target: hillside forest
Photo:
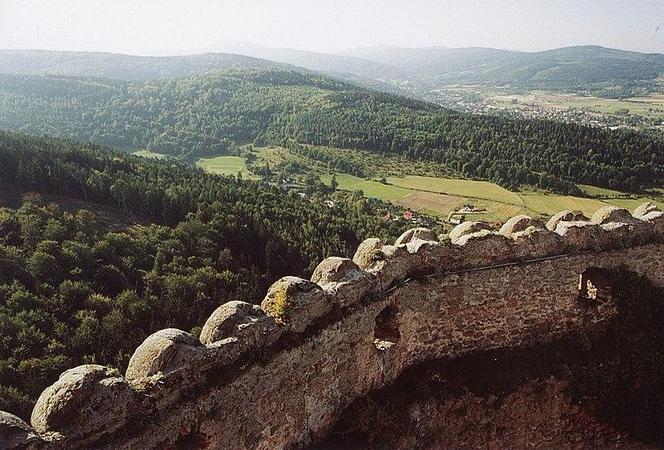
(214, 114)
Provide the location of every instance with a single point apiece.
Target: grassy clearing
(460, 188)
(440, 196)
(436, 195)
(149, 154)
(225, 165)
(370, 188)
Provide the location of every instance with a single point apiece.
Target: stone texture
(164, 352)
(243, 321)
(368, 253)
(467, 228)
(86, 400)
(16, 434)
(414, 234)
(296, 303)
(565, 216)
(519, 223)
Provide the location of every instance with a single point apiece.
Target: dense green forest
(77, 286)
(212, 114)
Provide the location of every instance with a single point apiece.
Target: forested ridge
(212, 114)
(76, 288)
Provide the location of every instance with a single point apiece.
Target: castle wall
(279, 376)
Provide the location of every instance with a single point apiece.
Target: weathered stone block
(296, 303)
(610, 214)
(368, 253)
(85, 400)
(579, 236)
(644, 209)
(533, 243)
(243, 321)
(485, 248)
(565, 216)
(519, 223)
(343, 280)
(164, 351)
(413, 234)
(467, 228)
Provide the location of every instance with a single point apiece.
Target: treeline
(78, 286)
(215, 113)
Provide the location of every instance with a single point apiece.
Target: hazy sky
(189, 26)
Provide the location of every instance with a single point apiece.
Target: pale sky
(151, 27)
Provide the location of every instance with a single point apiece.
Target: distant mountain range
(392, 69)
(569, 67)
(124, 67)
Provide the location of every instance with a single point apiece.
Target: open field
(149, 154)
(370, 188)
(437, 195)
(460, 188)
(440, 196)
(225, 165)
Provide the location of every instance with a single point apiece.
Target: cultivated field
(440, 196)
(434, 195)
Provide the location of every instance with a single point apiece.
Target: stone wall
(278, 375)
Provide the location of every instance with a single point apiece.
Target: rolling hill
(214, 114)
(123, 67)
(392, 69)
(564, 68)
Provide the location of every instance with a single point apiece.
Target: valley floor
(414, 187)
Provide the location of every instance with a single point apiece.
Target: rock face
(278, 376)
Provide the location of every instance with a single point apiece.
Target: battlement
(278, 375)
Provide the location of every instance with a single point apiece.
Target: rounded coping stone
(608, 214)
(336, 270)
(163, 351)
(483, 236)
(414, 234)
(296, 302)
(645, 209)
(238, 319)
(565, 216)
(85, 399)
(15, 433)
(519, 223)
(467, 228)
(368, 252)
(652, 216)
